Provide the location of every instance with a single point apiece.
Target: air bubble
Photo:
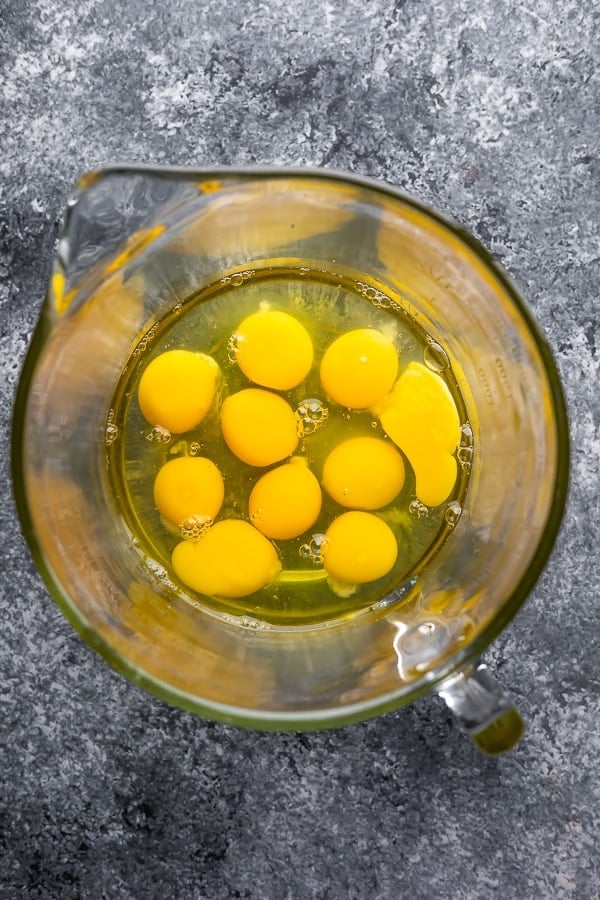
(453, 513)
(382, 302)
(157, 570)
(374, 296)
(143, 344)
(159, 435)
(465, 451)
(258, 515)
(192, 528)
(252, 623)
(111, 434)
(435, 357)
(466, 435)
(233, 346)
(314, 549)
(310, 416)
(418, 509)
(465, 458)
(237, 279)
(195, 448)
(374, 423)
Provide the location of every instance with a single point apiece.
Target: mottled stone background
(488, 109)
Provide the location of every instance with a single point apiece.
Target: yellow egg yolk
(273, 349)
(359, 547)
(435, 475)
(177, 389)
(187, 487)
(232, 559)
(259, 427)
(363, 473)
(421, 418)
(359, 368)
(285, 502)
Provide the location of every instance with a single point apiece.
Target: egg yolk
(188, 486)
(232, 559)
(259, 427)
(435, 475)
(177, 388)
(359, 547)
(359, 368)
(285, 502)
(421, 418)
(274, 350)
(363, 473)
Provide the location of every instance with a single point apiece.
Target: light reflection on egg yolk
(232, 559)
(259, 427)
(359, 368)
(359, 547)
(285, 502)
(363, 473)
(421, 418)
(273, 349)
(188, 486)
(177, 388)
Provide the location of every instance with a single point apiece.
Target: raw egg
(364, 473)
(188, 486)
(286, 501)
(259, 426)
(177, 389)
(359, 547)
(273, 349)
(232, 559)
(359, 368)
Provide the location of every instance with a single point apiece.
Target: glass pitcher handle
(483, 709)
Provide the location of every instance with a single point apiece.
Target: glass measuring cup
(136, 242)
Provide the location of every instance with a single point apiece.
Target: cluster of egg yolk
(359, 370)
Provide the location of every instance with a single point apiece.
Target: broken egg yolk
(420, 416)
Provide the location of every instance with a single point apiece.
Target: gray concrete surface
(488, 110)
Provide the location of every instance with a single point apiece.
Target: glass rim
(334, 716)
